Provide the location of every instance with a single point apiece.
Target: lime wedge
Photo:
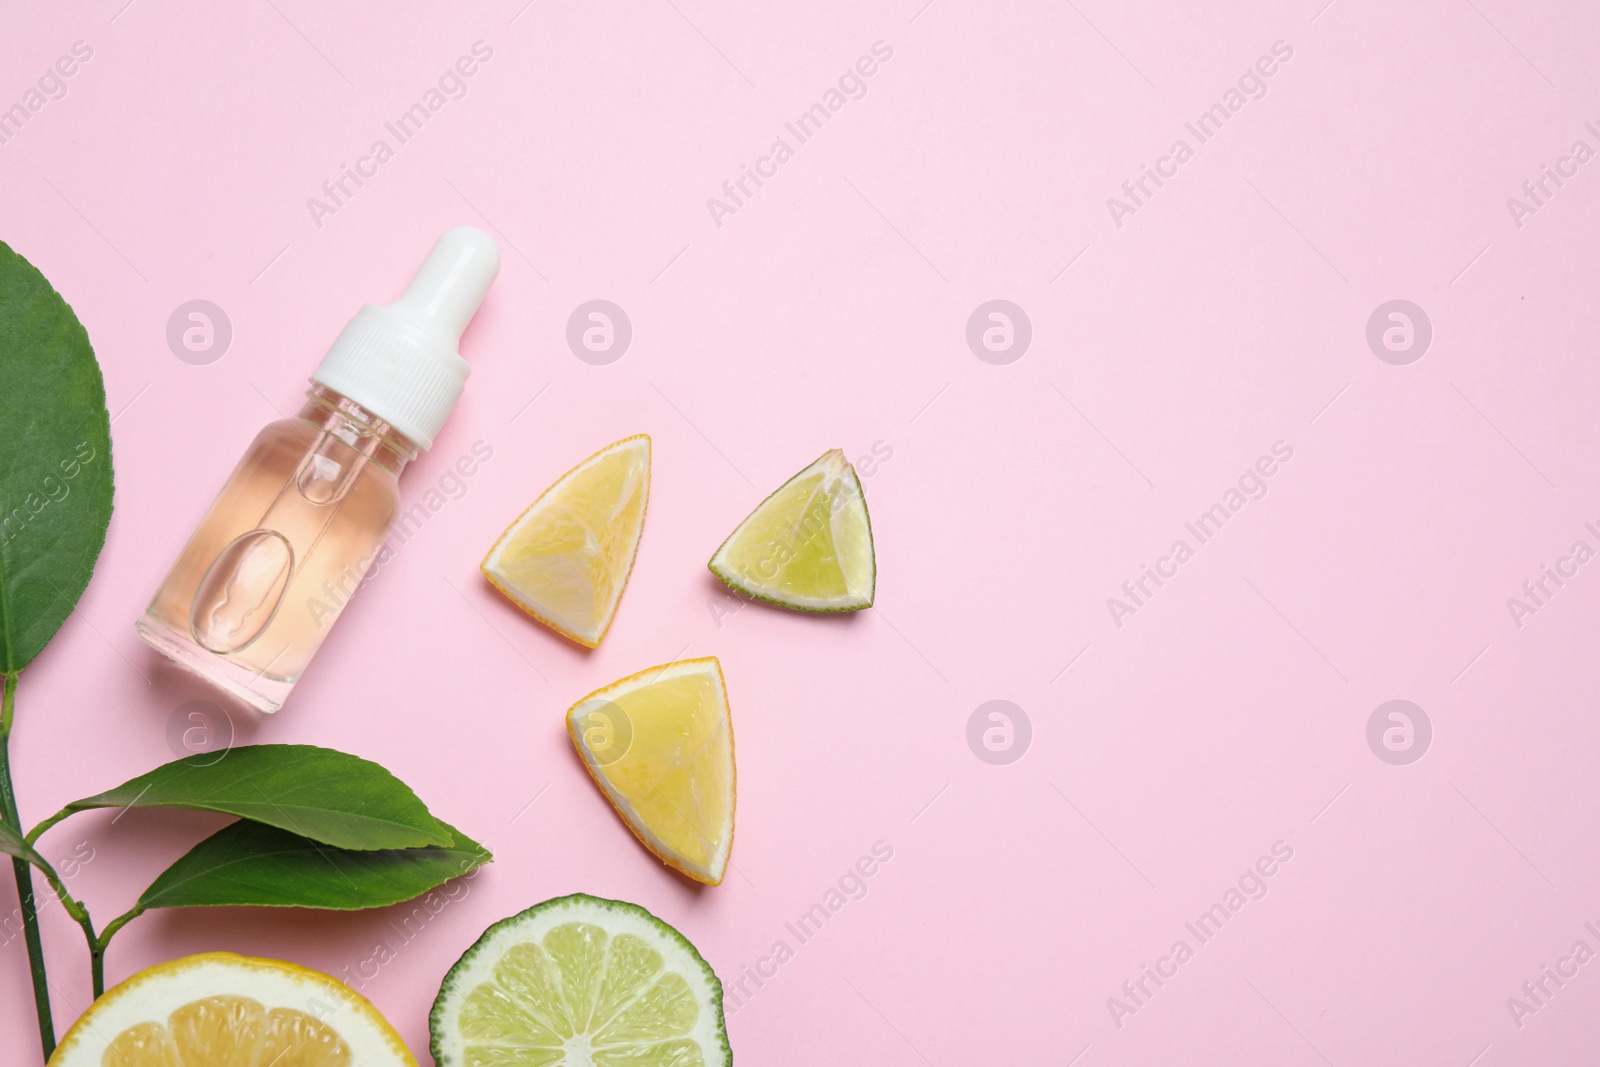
(579, 981)
(808, 546)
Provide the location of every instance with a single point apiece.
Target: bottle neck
(333, 413)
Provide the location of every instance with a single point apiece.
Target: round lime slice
(579, 981)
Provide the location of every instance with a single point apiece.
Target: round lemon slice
(808, 546)
(567, 558)
(580, 982)
(218, 1008)
(660, 746)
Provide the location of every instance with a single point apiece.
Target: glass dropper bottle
(306, 512)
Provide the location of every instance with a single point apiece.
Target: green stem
(118, 923)
(37, 831)
(76, 910)
(80, 915)
(105, 939)
(24, 877)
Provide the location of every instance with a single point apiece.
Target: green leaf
(12, 844)
(55, 461)
(329, 796)
(248, 864)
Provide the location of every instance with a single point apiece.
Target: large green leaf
(12, 844)
(329, 796)
(248, 864)
(55, 461)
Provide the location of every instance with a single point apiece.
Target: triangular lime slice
(808, 546)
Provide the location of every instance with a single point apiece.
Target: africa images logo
(1251, 85)
(851, 85)
(450, 85)
(1251, 485)
(1251, 886)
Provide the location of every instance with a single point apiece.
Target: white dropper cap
(400, 362)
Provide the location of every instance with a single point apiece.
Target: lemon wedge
(567, 558)
(218, 1008)
(808, 546)
(660, 746)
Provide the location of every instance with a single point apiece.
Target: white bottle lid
(400, 362)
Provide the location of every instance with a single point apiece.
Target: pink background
(830, 310)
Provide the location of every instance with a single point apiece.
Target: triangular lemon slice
(567, 558)
(808, 546)
(660, 746)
